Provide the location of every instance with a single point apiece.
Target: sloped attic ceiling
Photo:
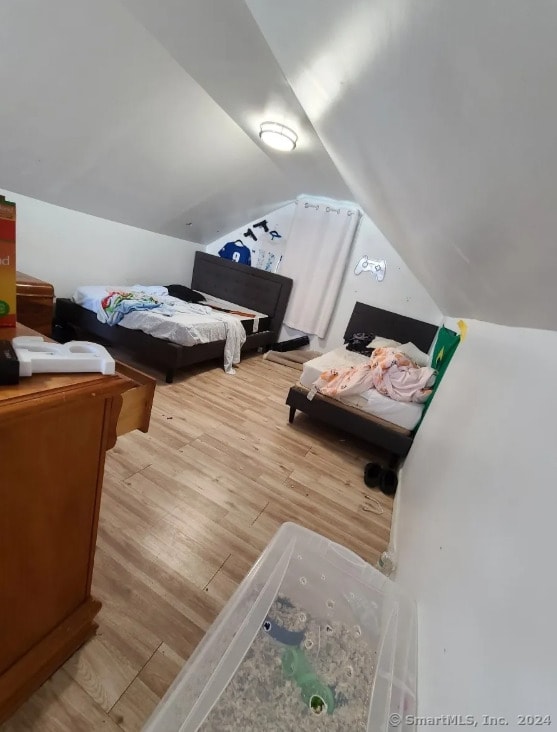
(147, 112)
(442, 117)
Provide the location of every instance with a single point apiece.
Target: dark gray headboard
(377, 322)
(253, 289)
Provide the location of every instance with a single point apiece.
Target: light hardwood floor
(186, 510)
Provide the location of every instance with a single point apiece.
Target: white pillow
(408, 349)
(155, 290)
(413, 352)
(379, 342)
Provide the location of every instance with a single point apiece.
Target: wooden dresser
(54, 432)
(34, 303)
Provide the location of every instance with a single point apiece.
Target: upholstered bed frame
(253, 289)
(367, 319)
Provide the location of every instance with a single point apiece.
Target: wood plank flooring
(186, 510)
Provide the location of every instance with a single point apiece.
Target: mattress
(183, 328)
(258, 324)
(403, 414)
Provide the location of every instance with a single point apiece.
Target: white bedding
(190, 325)
(403, 414)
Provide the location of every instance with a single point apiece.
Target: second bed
(371, 416)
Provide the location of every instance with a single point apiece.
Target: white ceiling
(442, 117)
(147, 113)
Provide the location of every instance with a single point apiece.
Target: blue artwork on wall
(261, 252)
(237, 251)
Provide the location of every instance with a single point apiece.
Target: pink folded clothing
(392, 373)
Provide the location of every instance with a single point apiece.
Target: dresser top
(27, 285)
(66, 386)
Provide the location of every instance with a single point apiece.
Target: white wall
(399, 292)
(476, 533)
(69, 248)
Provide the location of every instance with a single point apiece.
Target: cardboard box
(7, 264)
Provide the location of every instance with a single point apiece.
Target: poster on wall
(237, 251)
(260, 244)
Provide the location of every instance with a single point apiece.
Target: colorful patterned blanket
(115, 305)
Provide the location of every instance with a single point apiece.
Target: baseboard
(392, 550)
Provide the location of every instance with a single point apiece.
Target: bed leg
(170, 376)
(292, 414)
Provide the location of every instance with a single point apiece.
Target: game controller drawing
(376, 267)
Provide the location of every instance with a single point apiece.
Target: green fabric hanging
(443, 351)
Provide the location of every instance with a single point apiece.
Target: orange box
(7, 263)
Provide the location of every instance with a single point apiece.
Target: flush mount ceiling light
(278, 136)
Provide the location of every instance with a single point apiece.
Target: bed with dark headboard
(250, 288)
(371, 320)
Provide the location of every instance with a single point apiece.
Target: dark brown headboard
(367, 319)
(253, 289)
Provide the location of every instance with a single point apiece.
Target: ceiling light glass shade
(278, 136)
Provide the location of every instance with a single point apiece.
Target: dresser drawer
(136, 401)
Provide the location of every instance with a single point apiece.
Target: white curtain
(315, 258)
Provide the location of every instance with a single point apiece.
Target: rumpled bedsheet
(392, 373)
(223, 327)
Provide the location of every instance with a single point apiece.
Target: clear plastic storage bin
(313, 639)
